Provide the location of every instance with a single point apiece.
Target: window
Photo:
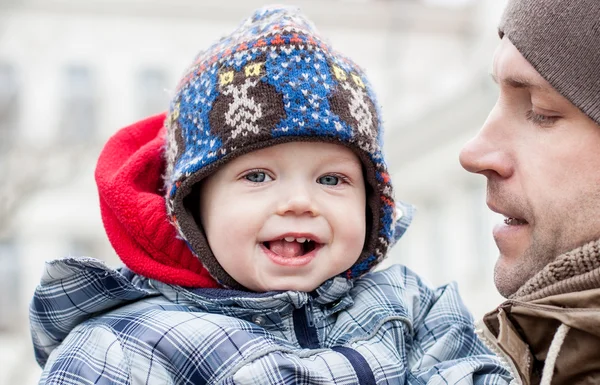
(152, 95)
(9, 106)
(78, 119)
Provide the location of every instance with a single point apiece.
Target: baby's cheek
(353, 232)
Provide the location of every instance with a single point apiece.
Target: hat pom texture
(273, 80)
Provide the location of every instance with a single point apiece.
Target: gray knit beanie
(561, 40)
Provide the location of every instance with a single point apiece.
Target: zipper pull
(310, 313)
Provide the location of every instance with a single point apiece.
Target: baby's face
(287, 217)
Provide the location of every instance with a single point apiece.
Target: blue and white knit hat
(274, 80)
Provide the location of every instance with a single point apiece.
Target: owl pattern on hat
(246, 104)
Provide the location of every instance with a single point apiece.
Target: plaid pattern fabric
(94, 325)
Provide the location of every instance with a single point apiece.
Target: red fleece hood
(130, 185)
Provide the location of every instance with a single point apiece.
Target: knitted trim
(375, 248)
(576, 270)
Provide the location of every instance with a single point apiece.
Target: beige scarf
(576, 270)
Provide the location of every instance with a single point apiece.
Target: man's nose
(488, 153)
(298, 199)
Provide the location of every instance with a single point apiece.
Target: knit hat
(561, 40)
(273, 80)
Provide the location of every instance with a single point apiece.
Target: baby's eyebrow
(341, 159)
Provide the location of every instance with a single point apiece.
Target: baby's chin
(286, 284)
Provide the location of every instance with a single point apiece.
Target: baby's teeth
(300, 240)
(289, 239)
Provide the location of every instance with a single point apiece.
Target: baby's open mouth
(290, 247)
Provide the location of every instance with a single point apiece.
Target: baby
(279, 205)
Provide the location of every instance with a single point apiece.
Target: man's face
(286, 217)
(541, 157)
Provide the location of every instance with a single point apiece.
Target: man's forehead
(510, 68)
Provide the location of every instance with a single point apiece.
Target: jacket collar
(566, 292)
(335, 291)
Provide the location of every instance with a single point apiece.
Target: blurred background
(73, 72)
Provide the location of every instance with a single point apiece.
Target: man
(540, 152)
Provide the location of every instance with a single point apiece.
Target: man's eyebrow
(519, 82)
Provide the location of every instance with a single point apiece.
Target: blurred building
(73, 72)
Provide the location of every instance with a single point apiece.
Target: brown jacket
(553, 321)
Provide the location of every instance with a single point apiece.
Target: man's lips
(511, 217)
(509, 221)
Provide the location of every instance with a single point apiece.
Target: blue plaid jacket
(94, 325)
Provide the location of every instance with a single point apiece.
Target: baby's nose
(299, 201)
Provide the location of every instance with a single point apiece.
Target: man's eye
(330, 180)
(257, 177)
(541, 120)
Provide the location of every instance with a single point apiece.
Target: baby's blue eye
(330, 180)
(256, 177)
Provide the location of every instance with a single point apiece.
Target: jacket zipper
(304, 326)
(310, 318)
(485, 336)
